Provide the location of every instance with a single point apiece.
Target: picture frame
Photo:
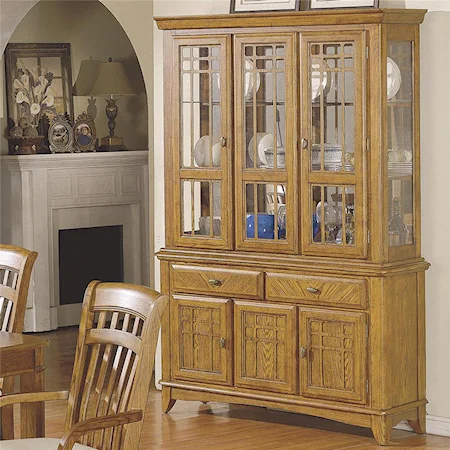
(38, 84)
(246, 6)
(60, 135)
(340, 4)
(84, 134)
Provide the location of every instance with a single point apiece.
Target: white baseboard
(435, 425)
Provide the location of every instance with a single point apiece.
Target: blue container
(266, 226)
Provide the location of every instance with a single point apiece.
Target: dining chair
(16, 265)
(112, 371)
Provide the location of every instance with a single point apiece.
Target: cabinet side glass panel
(400, 157)
(264, 92)
(200, 110)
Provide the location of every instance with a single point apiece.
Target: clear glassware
(332, 219)
(398, 231)
(349, 231)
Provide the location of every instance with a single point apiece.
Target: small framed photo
(60, 135)
(243, 6)
(84, 134)
(337, 4)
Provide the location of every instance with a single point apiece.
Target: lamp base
(112, 144)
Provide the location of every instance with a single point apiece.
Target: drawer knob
(312, 290)
(222, 343)
(215, 283)
(302, 352)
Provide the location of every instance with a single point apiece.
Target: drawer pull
(216, 283)
(222, 343)
(302, 352)
(312, 290)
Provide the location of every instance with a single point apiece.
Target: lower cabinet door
(201, 339)
(265, 346)
(333, 355)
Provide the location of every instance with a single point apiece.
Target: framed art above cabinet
(293, 213)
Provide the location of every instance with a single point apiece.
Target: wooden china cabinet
(292, 253)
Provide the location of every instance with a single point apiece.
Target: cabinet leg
(419, 426)
(381, 429)
(167, 401)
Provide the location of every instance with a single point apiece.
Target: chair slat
(8, 292)
(7, 316)
(118, 337)
(5, 277)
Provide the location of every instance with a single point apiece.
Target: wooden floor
(193, 425)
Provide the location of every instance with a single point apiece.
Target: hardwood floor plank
(218, 426)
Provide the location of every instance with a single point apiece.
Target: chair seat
(37, 444)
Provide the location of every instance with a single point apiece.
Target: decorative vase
(26, 145)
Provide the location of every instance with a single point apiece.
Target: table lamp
(112, 81)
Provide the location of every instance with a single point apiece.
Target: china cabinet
(292, 253)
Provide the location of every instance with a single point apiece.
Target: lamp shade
(112, 80)
(87, 76)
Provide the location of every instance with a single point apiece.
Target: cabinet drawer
(217, 281)
(316, 290)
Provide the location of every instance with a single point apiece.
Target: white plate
(316, 87)
(249, 79)
(394, 78)
(202, 153)
(263, 141)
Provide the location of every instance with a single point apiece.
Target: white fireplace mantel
(41, 194)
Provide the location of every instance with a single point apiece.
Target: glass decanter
(398, 231)
(349, 231)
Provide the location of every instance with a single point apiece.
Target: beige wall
(436, 174)
(95, 33)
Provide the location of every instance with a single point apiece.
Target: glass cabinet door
(265, 120)
(201, 188)
(333, 144)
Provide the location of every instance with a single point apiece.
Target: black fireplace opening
(87, 254)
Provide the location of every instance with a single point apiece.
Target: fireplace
(87, 254)
(50, 199)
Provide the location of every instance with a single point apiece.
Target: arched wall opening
(92, 31)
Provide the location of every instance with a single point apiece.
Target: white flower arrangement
(33, 92)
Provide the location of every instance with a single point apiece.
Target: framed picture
(60, 135)
(242, 6)
(38, 84)
(335, 4)
(84, 134)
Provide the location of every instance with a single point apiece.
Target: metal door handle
(313, 290)
(222, 342)
(304, 143)
(223, 141)
(302, 352)
(215, 283)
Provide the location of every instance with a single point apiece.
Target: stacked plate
(400, 168)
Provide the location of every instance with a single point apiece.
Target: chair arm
(30, 397)
(98, 423)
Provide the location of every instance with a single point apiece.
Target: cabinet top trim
(302, 18)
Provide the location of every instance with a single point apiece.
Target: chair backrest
(114, 358)
(16, 264)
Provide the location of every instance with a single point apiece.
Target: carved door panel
(265, 347)
(333, 355)
(201, 339)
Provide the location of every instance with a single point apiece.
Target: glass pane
(265, 206)
(197, 208)
(332, 97)
(264, 89)
(200, 120)
(400, 142)
(333, 215)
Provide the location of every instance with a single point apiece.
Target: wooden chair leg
(381, 429)
(419, 426)
(7, 412)
(167, 401)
